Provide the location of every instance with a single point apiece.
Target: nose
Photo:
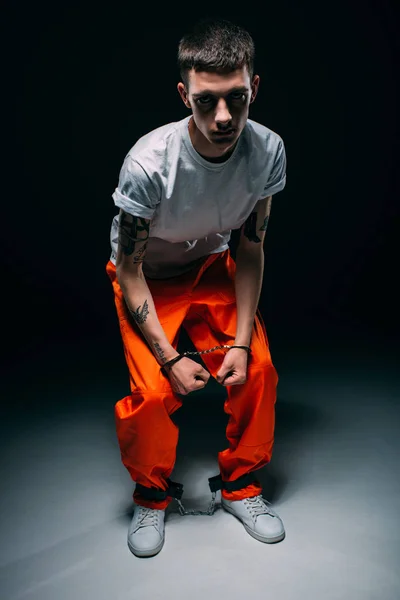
(222, 114)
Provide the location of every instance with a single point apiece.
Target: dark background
(84, 81)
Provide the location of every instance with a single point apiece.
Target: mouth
(223, 134)
(224, 137)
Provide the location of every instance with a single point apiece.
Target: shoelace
(147, 516)
(259, 506)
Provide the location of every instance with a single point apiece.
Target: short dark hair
(216, 45)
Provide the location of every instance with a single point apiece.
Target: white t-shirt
(193, 203)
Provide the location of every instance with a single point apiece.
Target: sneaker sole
(254, 534)
(144, 553)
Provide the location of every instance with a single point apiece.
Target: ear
(183, 94)
(254, 87)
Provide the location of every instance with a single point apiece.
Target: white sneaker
(146, 532)
(258, 518)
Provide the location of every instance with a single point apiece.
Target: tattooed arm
(253, 231)
(133, 236)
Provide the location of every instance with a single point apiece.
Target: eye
(233, 97)
(238, 96)
(203, 100)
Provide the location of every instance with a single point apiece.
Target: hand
(187, 376)
(233, 370)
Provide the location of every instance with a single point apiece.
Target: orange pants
(203, 301)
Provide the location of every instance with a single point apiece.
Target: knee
(264, 370)
(147, 404)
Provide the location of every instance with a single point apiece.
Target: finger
(233, 380)
(200, 383)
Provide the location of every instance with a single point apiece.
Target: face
(220, 106)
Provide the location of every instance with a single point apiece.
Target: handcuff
(171, 362)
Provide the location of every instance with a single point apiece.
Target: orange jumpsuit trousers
(203, 301)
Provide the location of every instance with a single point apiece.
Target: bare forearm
(248, 284)
(141, 306)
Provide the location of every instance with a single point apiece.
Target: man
(182, 189)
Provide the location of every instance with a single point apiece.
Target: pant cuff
(247, 492)
(158, 504)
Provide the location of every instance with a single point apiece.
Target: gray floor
(334, 480)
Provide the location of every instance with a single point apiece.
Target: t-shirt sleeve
(137, 193)
(277, 178)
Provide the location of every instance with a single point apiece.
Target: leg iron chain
(213, 506)
(215, 484)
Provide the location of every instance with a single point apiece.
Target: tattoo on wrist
(140, 316)
(160, 352)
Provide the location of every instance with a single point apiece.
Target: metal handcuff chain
(218, 348)
(213, 506)
(171, 362)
